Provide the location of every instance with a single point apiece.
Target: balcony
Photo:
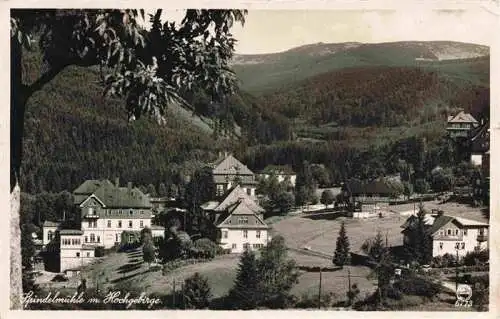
(91, 216)
(482, 237)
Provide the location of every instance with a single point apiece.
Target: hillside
(267, 72)
(72, 133)
(332, 117)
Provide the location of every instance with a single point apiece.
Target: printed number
(463, 303)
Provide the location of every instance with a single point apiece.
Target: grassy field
(320, 232)
(335, 283)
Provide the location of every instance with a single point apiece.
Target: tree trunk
(16, 278)
(17, 108)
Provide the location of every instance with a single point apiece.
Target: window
(92, 238)
(91, 211)
(457, 246)
(249, 191)
(243, 220)
(258, 246)
(116, 238)
(88, 254)
(465, 232)
(220, 189)
(129, 224)
(141, 224)
(50, 235)
(131, 212)
(440, 245)
(245, 234)
(456, 232)
(98, 239)
(449, 231)
(257, 234)
(224, 234)
(119, 224)
(77, 254)
(246, 246)
(86, 239)
(463, 245)
(109, 223)
(233, 246)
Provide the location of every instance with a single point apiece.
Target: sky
(268, 31)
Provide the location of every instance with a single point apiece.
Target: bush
(476, 258)
(205, 248)
(445, 261)
(418, 286)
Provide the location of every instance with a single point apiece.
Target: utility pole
(349, 282)
(319, 294)
(456, 273)
(173, 296)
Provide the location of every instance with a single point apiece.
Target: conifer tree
(342, 255)
(244, 293)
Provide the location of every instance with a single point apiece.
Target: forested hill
(267, 72)
(376, 96)
(73, 133)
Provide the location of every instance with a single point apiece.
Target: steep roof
(437, 222)
(230, 166)
(122, 197)
(243, 209)
(235, 195)
(90, 186)
(462, 117)
(440, 222)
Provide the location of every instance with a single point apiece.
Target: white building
(106, 211)
(239, 221)
(73, 253)
(282, 174)
(452, 235)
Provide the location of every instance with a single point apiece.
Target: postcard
(251, 158)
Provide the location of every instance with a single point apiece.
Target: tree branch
(44, 79)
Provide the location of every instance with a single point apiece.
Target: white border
(490, 6)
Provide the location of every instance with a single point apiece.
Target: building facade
(284, 174)
(106, 211)
(227, 172)
(452, 235)
(238, 220)
(460, 125)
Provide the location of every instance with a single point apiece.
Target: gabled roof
(462, 117)
(240, 208)
(90, 186)
(82, 192)
(234, 195)
(230, 166)
(122, 197)
(435, 223)
(440, 222)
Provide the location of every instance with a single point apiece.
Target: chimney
(117, 181)
(129, 186)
